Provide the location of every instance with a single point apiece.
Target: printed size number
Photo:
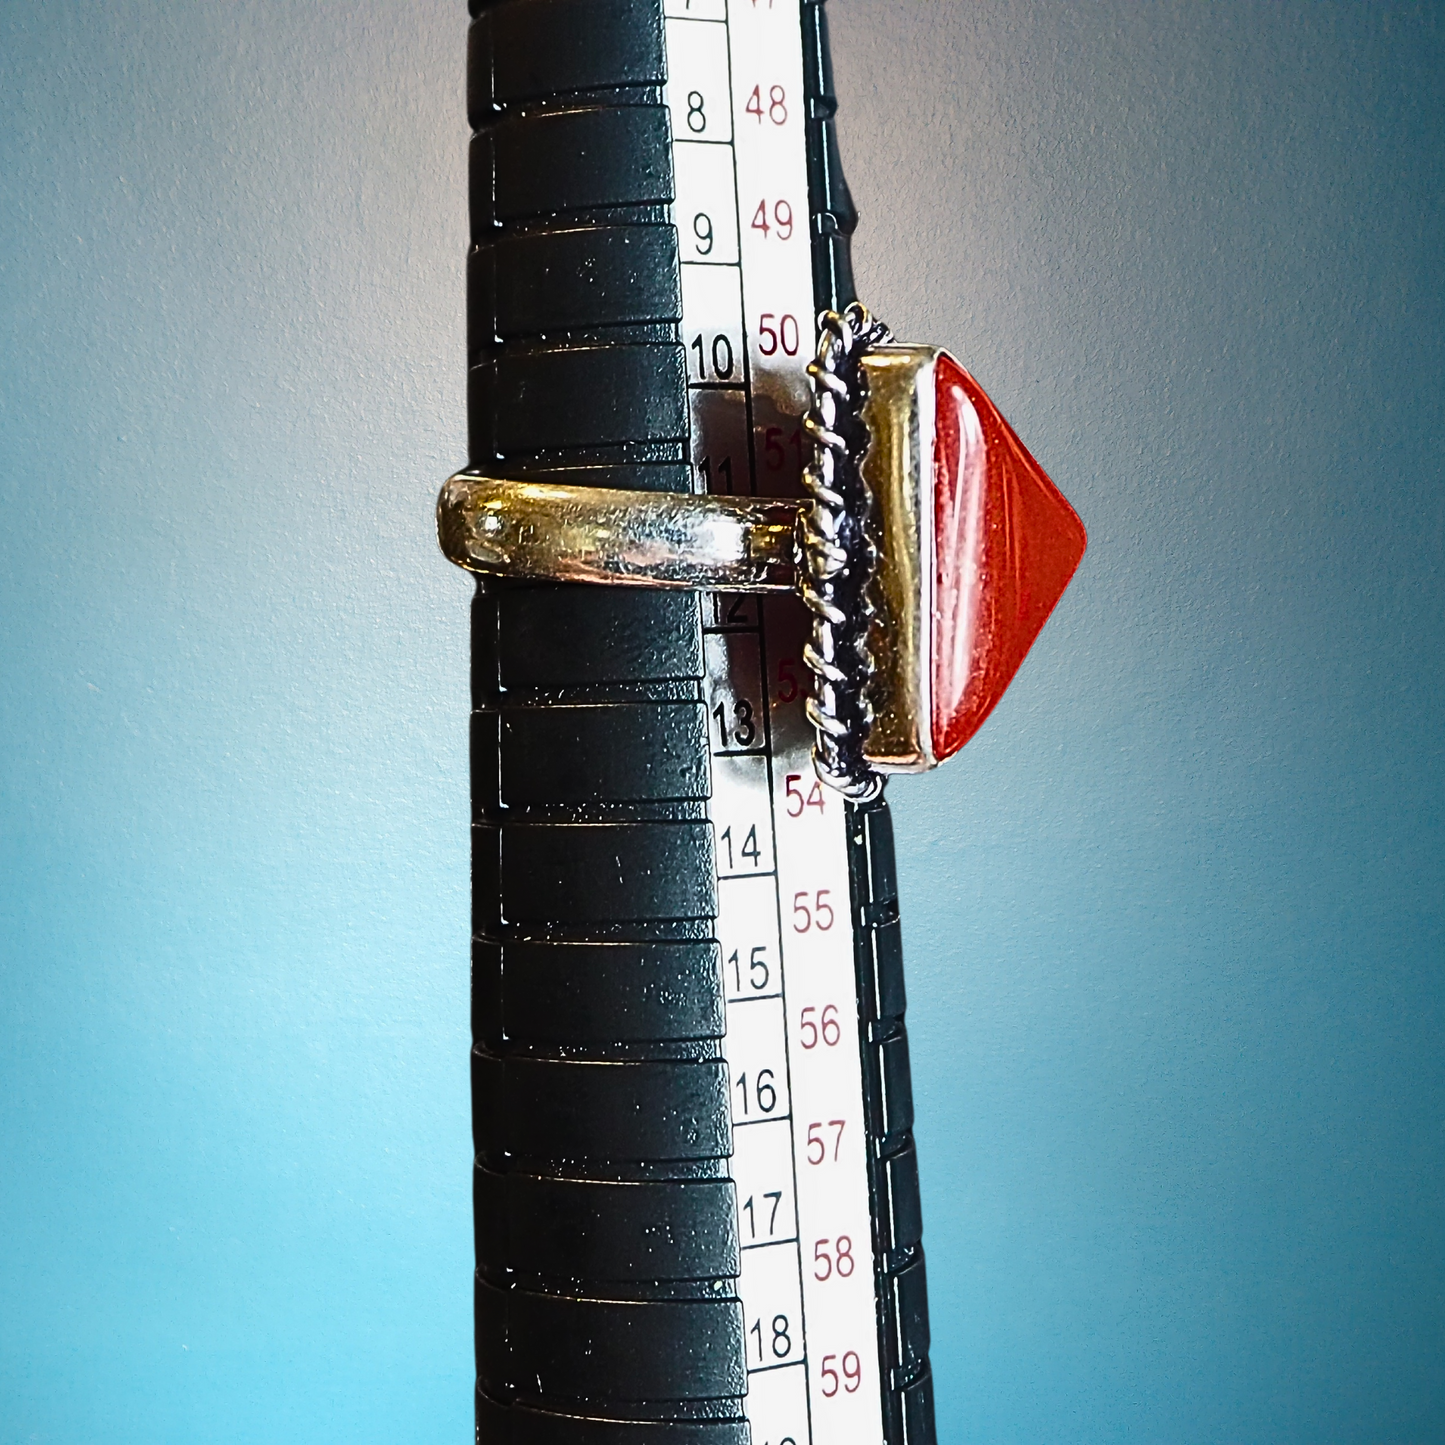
(748, 849)
(829, 1377)
(812, 910)
(772, 104)
(779, 226)
(779, 1343)
(744, 730)
(835, 1260)
(798, 799)
(702, 233)
(815, 1028)
(724, 471)
(756, 965)
(715, 360)
(762, 1097)
(775, 454)
(818, 1144)
(777, 333)
(763, 1209)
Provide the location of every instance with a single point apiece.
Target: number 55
(820, 913)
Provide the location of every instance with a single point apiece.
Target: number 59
(852, 1373)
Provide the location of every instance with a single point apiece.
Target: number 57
(818, 1146)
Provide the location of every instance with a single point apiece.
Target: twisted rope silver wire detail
(838, 557)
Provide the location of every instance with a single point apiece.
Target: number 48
(775, 107)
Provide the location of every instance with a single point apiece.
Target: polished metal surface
(898, 412)
(557, 532)
(552, 531)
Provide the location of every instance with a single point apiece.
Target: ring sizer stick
(739, 108)
(697, 1207)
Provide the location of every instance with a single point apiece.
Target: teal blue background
(1174, 920)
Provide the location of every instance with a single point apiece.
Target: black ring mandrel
(607, 1251)
(607, 1241)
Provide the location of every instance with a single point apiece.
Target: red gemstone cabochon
(1006, 544)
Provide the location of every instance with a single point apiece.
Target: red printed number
(852, 1374)
(775, 447)
(839, 1261)
(818, 1144)
(784, 334)
(812, 911)
(782, 220)
(774, 105)
(797, 799)
(814, 1028)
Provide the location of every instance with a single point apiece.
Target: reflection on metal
(900, 480)
(546, 531)
(929, 563)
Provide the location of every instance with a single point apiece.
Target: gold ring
(966, 546)
(551, 531)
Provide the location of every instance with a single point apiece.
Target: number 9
(702, 229)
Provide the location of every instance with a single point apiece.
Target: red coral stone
(1006, 544)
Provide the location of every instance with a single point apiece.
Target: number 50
(784, 334)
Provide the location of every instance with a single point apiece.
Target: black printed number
(754, 1214)
(748, 850)
(724, 472)
(702, 231)
(762, 1097)
(720, 354)
(744, 731)
(781, 1342)
(757, 967)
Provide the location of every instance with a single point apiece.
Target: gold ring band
(552, 531)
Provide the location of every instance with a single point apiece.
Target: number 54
(797, 799)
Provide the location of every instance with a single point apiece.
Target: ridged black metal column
(901, 1289)
(607, 1248)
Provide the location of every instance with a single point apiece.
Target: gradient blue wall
(1174, 920)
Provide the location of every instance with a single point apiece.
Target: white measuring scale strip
(735, 93)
